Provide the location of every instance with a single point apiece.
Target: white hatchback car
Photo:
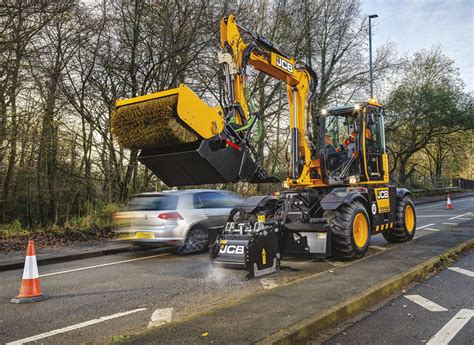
(179, 218)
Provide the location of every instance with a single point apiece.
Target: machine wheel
(196, 241)
(350, 230)
(405, 222)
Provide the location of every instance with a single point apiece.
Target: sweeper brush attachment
(149, 124)
(167, 118)
(184, 141)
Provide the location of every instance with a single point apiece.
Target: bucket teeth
(149, 124)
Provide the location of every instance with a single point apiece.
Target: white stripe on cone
(31, 268)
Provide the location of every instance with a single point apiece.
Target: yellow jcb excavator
(338, 186)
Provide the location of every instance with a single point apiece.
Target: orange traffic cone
(449, 206)
(30, 290)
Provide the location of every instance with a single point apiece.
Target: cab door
(374, 144)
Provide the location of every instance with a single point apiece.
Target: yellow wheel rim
(409, 218)
(360, 230)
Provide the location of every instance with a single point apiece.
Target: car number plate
(144, 235)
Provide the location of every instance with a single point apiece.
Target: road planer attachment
(247, 240)
(184, 141)
(262, 231)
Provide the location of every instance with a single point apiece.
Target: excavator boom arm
(266, 57)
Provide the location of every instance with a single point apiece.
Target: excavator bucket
(181, 139)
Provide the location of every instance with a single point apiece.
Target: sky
(416, 24)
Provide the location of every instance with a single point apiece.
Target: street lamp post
(370, 54)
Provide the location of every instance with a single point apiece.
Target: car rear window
(153, 203)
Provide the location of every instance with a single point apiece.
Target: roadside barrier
(30, 290)
(449, 206)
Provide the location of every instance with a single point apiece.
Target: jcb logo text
(283, 64)
(232, 249)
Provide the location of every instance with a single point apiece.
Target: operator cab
(353, 144)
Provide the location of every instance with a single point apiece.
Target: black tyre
(350, 231)
(405, 222)
(196, 241)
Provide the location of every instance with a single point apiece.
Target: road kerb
(69, 257)
(303, 330)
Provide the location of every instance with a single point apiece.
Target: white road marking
(378, 247)
(461, 215)
(449, 331)
(450, 223)
(430, 216)
(425, 303)
(431, 229)
(102, 265)
(462, 218)
(74, 327)
(424, 226)
(462, 271)
(268, 283)
(160, 317)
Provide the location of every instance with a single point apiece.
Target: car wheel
(196, 241)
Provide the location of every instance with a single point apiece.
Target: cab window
(341, 140)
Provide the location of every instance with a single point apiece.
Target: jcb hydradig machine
(338, 193)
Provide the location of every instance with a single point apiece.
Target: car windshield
(153, 203)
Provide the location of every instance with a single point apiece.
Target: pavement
(50, 255)
(437, 311)
(115, 296)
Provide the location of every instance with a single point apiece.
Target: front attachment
(164, 119)
(253, 248)
(184, 141)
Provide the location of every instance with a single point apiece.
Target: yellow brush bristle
(150, 124)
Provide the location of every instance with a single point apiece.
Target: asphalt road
(438, 311)
(133, 290)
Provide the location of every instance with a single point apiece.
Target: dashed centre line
(425, 303)
(462, 271)
(431, 229)
(74, 327)
(430, 215)
(460, 216)
(425, 226)
(450, 223)
(449, 331)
